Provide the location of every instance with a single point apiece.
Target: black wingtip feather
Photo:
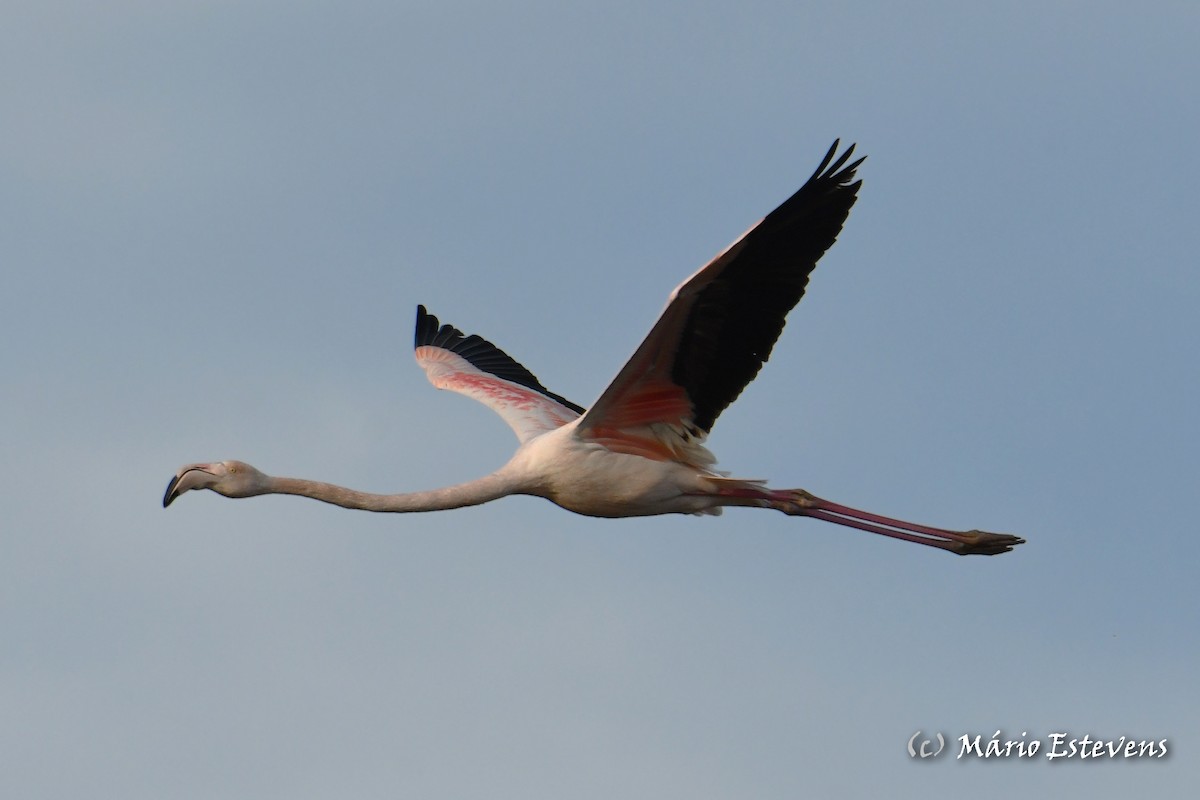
(480, 353)
(837, 165)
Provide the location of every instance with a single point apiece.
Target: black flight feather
(737, 318)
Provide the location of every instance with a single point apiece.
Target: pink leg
(797, 502)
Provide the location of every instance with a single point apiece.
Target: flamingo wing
(720, 325)
(475, 367)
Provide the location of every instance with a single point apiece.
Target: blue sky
(217, 218)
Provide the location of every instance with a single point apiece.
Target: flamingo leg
(974, 542)
(800, 503)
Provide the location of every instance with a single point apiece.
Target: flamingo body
(592, 478)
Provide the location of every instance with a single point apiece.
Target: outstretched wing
(720, 324)
(475, 367)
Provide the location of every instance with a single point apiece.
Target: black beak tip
(170, 493)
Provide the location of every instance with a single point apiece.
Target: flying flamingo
(638, 450)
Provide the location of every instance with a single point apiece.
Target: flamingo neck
(472, 493)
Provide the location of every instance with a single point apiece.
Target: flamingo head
(229, 478)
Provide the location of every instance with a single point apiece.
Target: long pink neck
(472, 493)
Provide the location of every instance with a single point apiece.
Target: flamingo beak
(193, 476)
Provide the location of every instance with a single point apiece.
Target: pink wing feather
(475, 367)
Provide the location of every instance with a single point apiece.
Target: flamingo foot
(982, 543)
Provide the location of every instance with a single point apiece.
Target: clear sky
(217, 218)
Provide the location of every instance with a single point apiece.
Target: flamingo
(639, 450)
